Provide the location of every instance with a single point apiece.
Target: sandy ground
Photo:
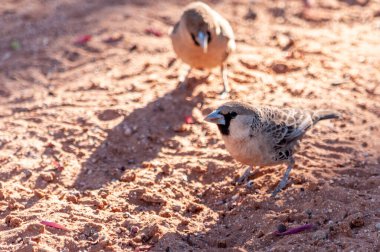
(93, 136)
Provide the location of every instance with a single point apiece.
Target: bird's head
(224, 115)
(199, 25)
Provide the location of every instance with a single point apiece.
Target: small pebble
(176, 208)
(250, 184)
(281, 228)
(12, 221)
(378, 226)
(309, 213)
(48, 176)
(134, 229)
(320, 235)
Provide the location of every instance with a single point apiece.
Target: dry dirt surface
(95, 135)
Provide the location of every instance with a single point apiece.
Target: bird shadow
(139, 137)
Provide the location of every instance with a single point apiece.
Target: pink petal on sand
(82, 40)
(153, 31)
(54, 225)
(295, 230)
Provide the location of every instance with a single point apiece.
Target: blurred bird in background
(202, 38)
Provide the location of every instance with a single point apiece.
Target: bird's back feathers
(277, 130)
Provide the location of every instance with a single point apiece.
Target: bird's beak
(203, 40)
(215, 117)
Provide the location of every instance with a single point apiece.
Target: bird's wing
(226, 31)
(284, 126)
(226, 28)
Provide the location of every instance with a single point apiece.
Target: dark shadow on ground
(139, 137)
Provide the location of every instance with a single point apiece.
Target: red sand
(93, 137)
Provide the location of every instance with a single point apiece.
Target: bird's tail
(324, 114)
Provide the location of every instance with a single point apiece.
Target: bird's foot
(282, 184)
(226, 87)
(244, 178)
(284, 180)
(278, 189)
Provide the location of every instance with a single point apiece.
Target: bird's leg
(245, 176)
(184, 72)
(226, 87)
(284, 179)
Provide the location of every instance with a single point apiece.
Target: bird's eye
(233, 114)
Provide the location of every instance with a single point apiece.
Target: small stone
(12, 221)
(313, 186)
(28, 173)
(235, 197)
(48, 176)
(167, 169)
(356, 220)
(128, 131)
(128, 177)
(251, 14)
(151, 233)
(134, 230)
(284, 41)
(194, 208)
(72, 198)
(320, 235)
(103, 193)
(309, 213)
(152, 198)
(2, 194)
(36, 239)
(222, 244)
(260, 234)
(39, 193)
(36, 228)
(165, 214)
(146, 164)
(176, 208)
(13, 205)
(100, 204)
(181, 128)
(250, 184)
(116, 209)
(281, 228)
(280, 68)
(119, 230)
(185, 222)
(378, 226)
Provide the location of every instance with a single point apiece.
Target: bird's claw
(243, 178)
(275, 192)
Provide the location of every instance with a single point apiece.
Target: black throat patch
(225, 129)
